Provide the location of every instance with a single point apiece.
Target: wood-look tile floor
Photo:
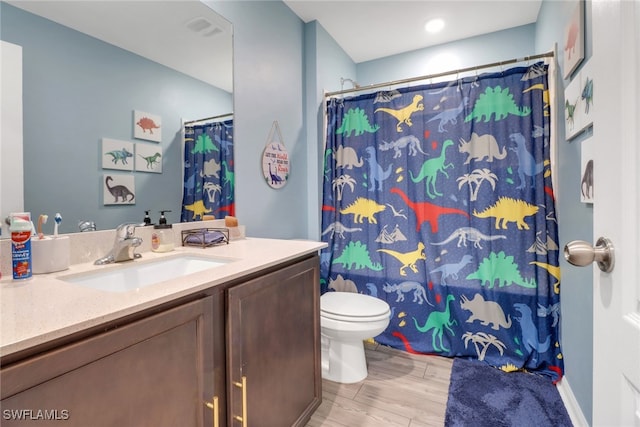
(401, 390)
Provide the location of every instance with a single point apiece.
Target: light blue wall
(268, 86)
(575, 219)
(326, 63)
(78, 90)
(488, 48)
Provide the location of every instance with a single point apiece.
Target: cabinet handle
(243, 386)
(214, 407)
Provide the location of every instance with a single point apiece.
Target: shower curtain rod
(461, 70)
(206, 119)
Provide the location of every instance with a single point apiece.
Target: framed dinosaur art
(148, 158)
(147, 126)
(117, 154)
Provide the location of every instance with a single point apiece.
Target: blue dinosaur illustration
(439, 321)
(587, 94)
(190, 184)
(121, 155)
(356, 120)
(529, 331)
(527, 166)
(450, 115)
(430, 168)
(224, 143)
(452, 269)
(376, 173)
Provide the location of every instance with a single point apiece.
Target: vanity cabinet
(157, 371)
(243, 353)
(273, 354)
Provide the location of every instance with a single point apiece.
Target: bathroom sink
(139, 274)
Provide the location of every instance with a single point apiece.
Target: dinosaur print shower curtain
(438, 200)
(208, 171)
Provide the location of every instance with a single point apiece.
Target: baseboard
(570, 402)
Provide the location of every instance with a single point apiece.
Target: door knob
(581, 253)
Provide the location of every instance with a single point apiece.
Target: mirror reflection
(103, 77)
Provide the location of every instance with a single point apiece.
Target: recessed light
(434, 25)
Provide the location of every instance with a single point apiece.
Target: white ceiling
(373, 29)
(156, 30)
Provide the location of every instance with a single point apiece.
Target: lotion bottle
(162, 237)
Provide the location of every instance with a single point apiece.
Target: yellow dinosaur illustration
(507, 210)
(363, 208)
(403, 115)
(198, 209)
(408, 259)
(545, 96)
(553, 270)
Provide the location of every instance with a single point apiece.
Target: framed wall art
(118, 189)
(574, 40)
(117, 154)
(147, 126)
(148, 158)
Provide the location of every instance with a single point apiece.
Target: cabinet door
(154, 372)
(274, 342)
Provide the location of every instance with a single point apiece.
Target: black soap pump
(162, 238)
(147, 218)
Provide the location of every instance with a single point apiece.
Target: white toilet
(346, 320)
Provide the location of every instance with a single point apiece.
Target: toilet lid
(340, 305)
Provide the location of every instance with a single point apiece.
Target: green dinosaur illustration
(497, 102)
(203, 145)
(355, 256)
(501, 268)
(355, 120)
(152, 161)
(430, 168)
(438, 321)
(229, 177)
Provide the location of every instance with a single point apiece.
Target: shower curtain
(208, 171)
(438, 199)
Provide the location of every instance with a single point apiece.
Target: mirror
(89, 68)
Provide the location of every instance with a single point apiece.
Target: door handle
(581, 253)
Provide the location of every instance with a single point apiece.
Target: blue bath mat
(481, 395)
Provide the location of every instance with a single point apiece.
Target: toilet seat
(352, 307)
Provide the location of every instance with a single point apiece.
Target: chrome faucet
(124, 245)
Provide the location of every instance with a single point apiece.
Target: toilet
(346, 320)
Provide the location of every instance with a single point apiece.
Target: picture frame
(117, 154)
(587, 171)
(148, 158)
(118, 189)
(573, 46)
(147, 126)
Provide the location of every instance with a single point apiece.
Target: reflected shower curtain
(438, 199)
(208, 171)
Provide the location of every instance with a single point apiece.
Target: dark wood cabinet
(157, 371)
(166, 366)
(273, 342)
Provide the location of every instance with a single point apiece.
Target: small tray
(205, 237)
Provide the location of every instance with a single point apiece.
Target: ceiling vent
(203, 27)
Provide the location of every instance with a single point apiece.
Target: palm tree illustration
(477, 177)
(339, 183)
(484, 340)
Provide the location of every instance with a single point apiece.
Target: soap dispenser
(147, 218)
(162, 237)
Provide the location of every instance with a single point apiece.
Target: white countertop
(44, 308)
